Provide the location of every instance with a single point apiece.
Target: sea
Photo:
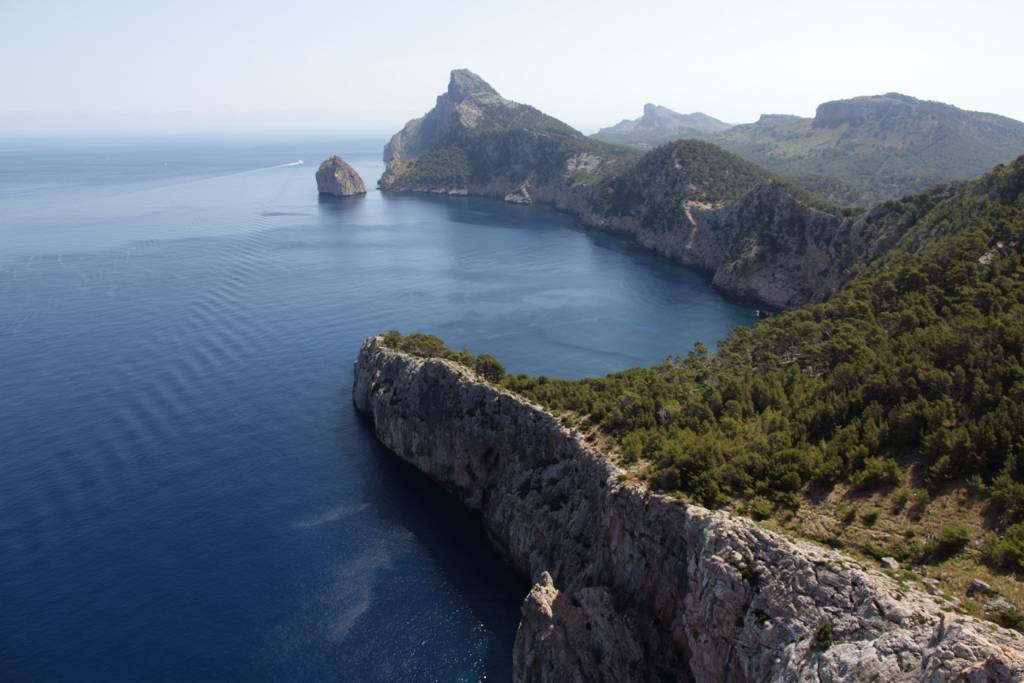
(186, 492)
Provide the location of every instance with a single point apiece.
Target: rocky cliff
(335, 177)
(634, 586)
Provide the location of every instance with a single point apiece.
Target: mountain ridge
(875, 147)
(658, 125)
(859, 150)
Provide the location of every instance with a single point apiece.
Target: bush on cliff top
(429, 346)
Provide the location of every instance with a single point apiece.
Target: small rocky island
(337, 179)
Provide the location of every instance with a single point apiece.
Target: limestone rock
(335, 177)
(999, 605)
(978, 587)
(520, 195)
(667, 590)
(890, 563)
(574, 637)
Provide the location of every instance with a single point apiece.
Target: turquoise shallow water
(185, 490)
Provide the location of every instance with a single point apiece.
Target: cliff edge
(635, 586)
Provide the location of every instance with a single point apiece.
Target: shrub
(1010, 618)
(919, 500)
(760, 508)
(824, 635)
(877, 472)
(950, 540)
(1005, 552)
(1008, 495)
(870, 516)
(900, 499)
(488, 367)
(846, 513)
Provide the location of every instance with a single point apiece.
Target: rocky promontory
(336, 178)
(631, 585)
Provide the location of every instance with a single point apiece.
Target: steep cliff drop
(635, 586)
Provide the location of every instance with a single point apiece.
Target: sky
(369, 66)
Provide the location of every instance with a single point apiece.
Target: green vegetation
(919, 359)
(904, 390)
(950, 540)
(445, 167)
(824, 636)
(687, 169)
(919, 362)
(488, 367)
(1005, 552)
(870, 148)
(656, 187)
(429, 346)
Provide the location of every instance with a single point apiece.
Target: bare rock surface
(634, 586)
(335, 177)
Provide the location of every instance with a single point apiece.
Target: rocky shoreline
(634, 586)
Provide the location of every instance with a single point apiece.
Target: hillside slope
(877, 147)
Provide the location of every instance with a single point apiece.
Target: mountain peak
(464, 83)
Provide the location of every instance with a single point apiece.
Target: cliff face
(633, 586)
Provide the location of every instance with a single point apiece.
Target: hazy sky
(371, 65)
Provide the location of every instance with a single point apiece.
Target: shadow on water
(330, 204)
(455, 540)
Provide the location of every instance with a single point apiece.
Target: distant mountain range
(659, 125)
(853, 151)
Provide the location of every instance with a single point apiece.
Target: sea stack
(336, 178)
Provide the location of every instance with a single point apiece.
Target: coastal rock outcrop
(635, 586)
(336, 178)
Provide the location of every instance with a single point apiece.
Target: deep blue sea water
(185, 490)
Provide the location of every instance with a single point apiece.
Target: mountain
(475, 137)
(659, 125)
(877, 147)
(756, 234)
